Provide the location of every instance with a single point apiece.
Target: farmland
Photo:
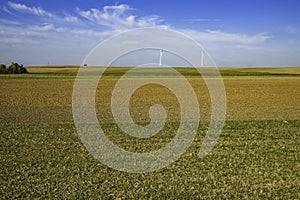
(257, 155)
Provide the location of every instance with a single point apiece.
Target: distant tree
(3, 69)
(15, 68)
(23, 69)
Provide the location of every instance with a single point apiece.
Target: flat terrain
(257, 155)
(274, 71)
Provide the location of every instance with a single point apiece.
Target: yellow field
(286, 70)
(248, 98)
(74, 69)
(45, 69)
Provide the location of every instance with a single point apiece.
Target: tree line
(14, 68)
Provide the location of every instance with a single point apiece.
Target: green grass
(253, 159)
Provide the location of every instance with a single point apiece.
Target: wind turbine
(160, 57)
(202, 59)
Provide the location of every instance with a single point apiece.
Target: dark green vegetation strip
(253, 159)
(116, 72)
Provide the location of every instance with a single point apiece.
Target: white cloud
(46, 28)
(219, 36)
(234, 49)
(42, 13)
(9, 22)
(32, 10)
(116, 17)
(28, 35)
(151, 21)
(72, 19)
(119, 10)
(6, 10)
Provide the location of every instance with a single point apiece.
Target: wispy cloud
(32, 10)
(38, 11)
(46, 28)
(117, 17)
(6, 10)
(73, 19)
(219, 36)
(9, 22)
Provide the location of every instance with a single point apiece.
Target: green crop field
(256, 157)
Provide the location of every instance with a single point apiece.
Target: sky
(236, 33)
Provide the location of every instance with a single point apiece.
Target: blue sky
(238, 33)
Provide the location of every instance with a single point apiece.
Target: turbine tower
(160, 57)
(202, 58)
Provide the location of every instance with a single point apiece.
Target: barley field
(256, 157)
